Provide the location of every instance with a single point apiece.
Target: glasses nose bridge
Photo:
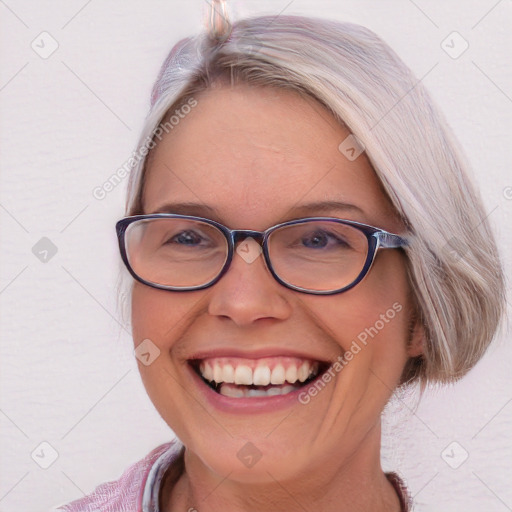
(238, 235)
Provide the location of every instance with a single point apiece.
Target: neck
(346, 484)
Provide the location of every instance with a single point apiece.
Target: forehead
(252, 154)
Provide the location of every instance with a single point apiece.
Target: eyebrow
(307, 209)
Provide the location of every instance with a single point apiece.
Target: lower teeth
(234, 391)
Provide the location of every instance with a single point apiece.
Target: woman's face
(251, 158)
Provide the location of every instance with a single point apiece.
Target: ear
(417, 337)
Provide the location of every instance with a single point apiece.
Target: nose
(248, 292)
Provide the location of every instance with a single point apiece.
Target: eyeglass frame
(377, 239)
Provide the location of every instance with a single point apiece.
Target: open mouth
(243, 378)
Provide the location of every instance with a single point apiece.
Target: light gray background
(69, 121)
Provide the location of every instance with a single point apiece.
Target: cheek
(148, 314)
(159, 319)
(150, 321)
(160, 315)
(370, 322)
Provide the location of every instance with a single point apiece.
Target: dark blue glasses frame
(377, 239)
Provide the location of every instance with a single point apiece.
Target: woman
(303, 239)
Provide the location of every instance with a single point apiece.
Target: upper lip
(254, 353)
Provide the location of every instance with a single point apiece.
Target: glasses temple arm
(390, 240)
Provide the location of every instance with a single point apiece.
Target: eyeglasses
(317, 255)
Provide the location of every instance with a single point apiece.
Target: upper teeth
(258, 372)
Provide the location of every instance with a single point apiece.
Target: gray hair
(453, 265)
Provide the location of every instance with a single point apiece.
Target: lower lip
(247, 405)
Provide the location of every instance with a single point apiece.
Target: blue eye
(320, 239)
(189, 238)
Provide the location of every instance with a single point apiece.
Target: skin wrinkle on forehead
(258, 163)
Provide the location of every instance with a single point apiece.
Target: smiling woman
(302, 242)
